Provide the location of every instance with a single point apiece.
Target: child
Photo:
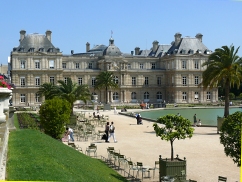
(199, 122)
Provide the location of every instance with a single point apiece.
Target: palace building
(170, 72)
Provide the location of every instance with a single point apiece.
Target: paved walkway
(204, 153)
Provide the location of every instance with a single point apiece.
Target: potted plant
(169, 128)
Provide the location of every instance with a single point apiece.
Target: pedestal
(5, 94)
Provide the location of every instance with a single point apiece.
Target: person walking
(70, 133)
(195, 119)
(112, 134)
(107, 128)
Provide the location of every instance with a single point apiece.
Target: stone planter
(175, 168)
(220, 121)
(5, 94)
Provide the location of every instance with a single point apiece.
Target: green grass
(34, 156)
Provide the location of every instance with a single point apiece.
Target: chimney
(136, 50)
(199, 36)
(48, 34)
(177, 38)
(132, 53)
(155, 46)
(22, 35)
(87, 46)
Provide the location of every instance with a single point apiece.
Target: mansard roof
(36, 42)
(188, 45)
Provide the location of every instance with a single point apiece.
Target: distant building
(164, 72)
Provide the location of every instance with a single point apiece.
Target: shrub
(54, 115)
(230, 136)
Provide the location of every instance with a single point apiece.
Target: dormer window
(183, 51)
(175, 51)
(31, 49)
(41, 49)
(207, 51)
(199, 51)
(21, 49)
(191, 51)
(50, 50)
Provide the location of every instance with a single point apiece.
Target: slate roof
(36, 42)
(189, 46)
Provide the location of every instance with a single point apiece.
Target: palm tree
(49, 90)
(223, 66)
(71, 92)
(105, 81)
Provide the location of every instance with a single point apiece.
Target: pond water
(208, 116)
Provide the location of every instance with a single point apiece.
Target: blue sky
(134, 23)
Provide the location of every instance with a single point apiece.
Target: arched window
(115, 79)
(133, 95)
(158, 95)
(146, 95)
(115, 96)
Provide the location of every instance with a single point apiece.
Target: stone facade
(168, 73)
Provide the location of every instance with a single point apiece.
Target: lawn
(34, 156)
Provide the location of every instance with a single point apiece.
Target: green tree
(54, 115)
(105, 81)
(72, 91)
(230, 136)
(173, 127)
(231, 96)
(223, 66)
(48, 90)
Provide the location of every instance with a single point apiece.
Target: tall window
(79, 81)
(115, 96)
(184, 81)
(146, 81)
(184, 64)
(146, 95)
(129, 66)
(65, 80)
(93, 81)
(22, 64)
(77, 65)
(37, 64)
(22, 98)
(159, 80)
(37, 97)
(51, 64)
(115, 79)
(141, 66)
(184, 95)
(37, 81)
(64, 65)
(196, 80)
(22, 81)
(52, 79)
(196, 65)
(153, 66)
(208, 95)
(133, 95)
(196, 96)
(133, 80)
(158, 95)
(89, 65)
